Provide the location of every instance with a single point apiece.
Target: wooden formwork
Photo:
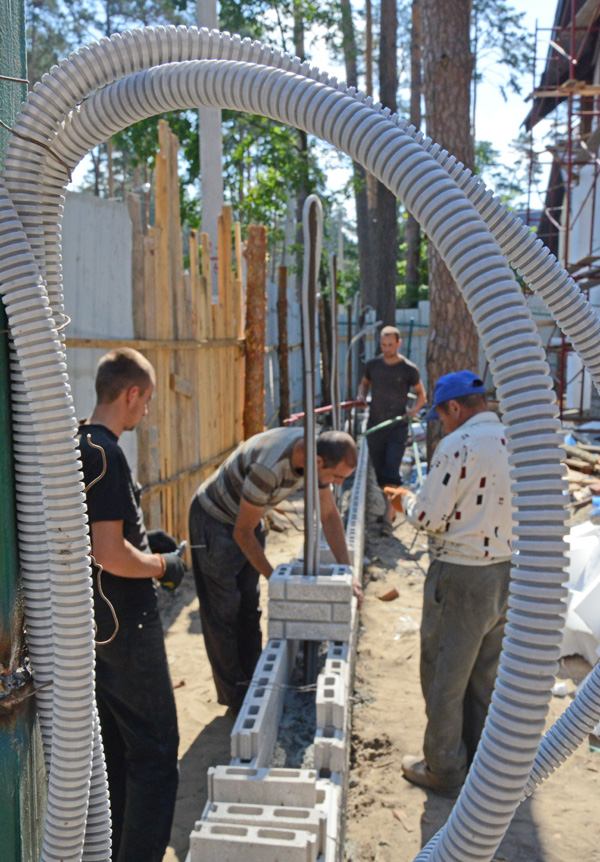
(196, 346)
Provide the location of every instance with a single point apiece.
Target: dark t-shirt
(389, 387)
(116, 497)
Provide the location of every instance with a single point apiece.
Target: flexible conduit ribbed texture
(505, 326)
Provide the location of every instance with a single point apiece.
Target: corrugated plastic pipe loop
(76, 74)
(508, 334)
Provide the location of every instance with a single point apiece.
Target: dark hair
(390, 330)
(337, 446)
(120, 369)
(475, 399)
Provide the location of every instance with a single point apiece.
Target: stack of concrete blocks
(310, 607)
(291, 815)
(355, 526)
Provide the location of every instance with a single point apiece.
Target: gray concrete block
(263, 786)
(255, 731)
(330, 802)
(313, 820)
(332, 701)
(341, 613)
(317, 631)
(275, 629)
(220, 842)
(320, 612)
(331, 749)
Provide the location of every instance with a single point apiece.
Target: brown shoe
(415, 770)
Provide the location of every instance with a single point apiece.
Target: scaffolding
(566, 90)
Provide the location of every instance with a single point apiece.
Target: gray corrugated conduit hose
(509, 336)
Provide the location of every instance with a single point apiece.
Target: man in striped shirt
(465, 508)
(228, 538)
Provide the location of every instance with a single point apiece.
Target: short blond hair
(390, 330)
(120, 369)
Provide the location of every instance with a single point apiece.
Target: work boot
(415, 770)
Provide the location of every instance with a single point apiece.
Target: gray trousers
(464, 611)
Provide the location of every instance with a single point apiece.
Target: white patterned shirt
(465, 502)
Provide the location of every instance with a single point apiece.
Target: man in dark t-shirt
(134, 694)
(389, 378)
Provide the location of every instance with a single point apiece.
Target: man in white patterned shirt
(465, 508)
(228, 537)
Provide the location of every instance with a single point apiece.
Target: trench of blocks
(259, 813)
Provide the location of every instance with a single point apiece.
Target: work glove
(175, 569)
(161, 542)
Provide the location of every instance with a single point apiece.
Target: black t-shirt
(389, 387)
(116, 497)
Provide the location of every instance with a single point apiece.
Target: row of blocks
(266, 815)
(355, 533)
(310, 607)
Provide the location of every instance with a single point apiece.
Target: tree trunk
(282, 345)
(256, 315)
(447, 68)
(365, 256)
(412, 231)
(386, 233)
(302, 145)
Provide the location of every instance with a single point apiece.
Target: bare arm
(243, 532)
(118, 556)
(333, 529)
(421, 399)
(363, 389)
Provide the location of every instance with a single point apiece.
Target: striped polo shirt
(259, 471)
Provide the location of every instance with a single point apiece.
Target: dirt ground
(387, 818)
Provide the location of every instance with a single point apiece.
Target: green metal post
(22, 776)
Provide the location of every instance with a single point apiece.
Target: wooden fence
(196, 346)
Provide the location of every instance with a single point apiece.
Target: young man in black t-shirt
(134, 694)
(389, 378)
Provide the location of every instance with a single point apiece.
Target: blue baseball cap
(454, 385)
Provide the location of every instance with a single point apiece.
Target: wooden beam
(152, 344)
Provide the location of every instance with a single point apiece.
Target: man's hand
(161, 542)
(395, 496)
(357, 591)
(175, 569)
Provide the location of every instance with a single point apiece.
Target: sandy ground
(387, 818)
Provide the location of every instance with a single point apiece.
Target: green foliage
(508, 181)
(500, 39)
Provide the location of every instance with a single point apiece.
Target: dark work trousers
(464, 611)
(227, 586)
(386, 448)
(139, 731)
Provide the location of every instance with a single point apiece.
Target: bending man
(228, 538)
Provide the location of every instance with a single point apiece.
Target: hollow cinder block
(341, 612)
(319, 612)
(331, 701)
(313, 820)
(332, 584)
(312, 631)
(262, 785)
(331, 750)
(254, 733)
(221, 842)
(329, 800)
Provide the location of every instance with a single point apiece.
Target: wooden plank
(183, 387)
(238, 283)
(254, 398)
(153, 344)
(195, 296)
(206, 285)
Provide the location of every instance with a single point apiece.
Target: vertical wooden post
(256, 314)
(350, 389)
(282, 345)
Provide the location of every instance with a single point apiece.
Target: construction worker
(134, 694)
(389, 378)
(228, 538)
(465, 508)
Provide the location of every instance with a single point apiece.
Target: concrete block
(255, 731)
(317, 631)
(329, 801)
(341, 613)
(319, 612)
(332, 584)
(332, 702)
(220, 842)
(275, 629)
(262, 786)
(331, 749)
(313, 820)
